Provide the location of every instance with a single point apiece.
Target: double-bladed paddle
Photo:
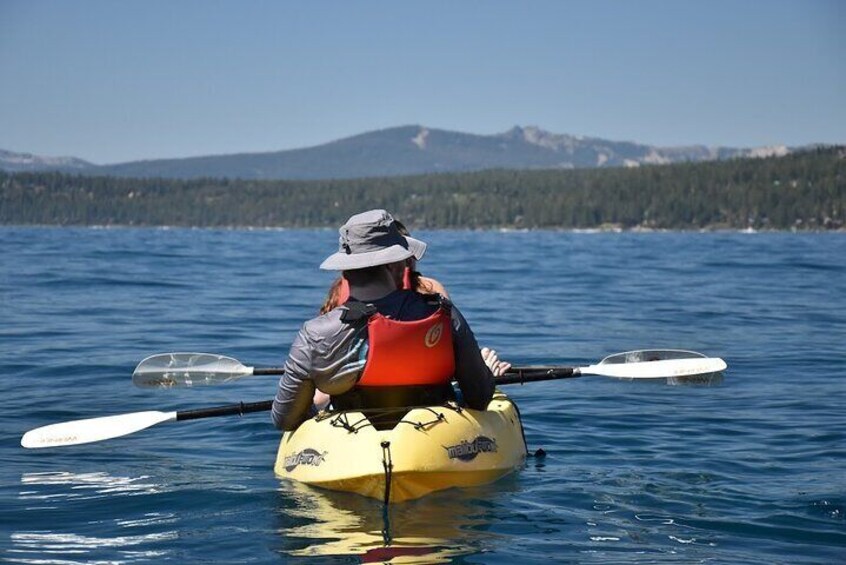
(168, 370)
(190, 369)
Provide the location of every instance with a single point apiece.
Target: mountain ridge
(22, 162)
(401, 150)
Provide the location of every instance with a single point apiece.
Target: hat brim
(417, 247)
(350, 262)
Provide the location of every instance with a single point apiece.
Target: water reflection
(83, 485)
(48, 498)
(708, 379)
(434, 529)
(70, 543)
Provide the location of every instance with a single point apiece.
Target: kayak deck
(429, 449)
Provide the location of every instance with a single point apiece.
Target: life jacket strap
(355, 311)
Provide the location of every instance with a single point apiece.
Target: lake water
(748, 470)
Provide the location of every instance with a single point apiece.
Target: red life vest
(406, 279)
(406, 353)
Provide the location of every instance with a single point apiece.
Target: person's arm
(474, 377)
(293, 402)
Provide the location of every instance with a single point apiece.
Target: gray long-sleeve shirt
(327, 354)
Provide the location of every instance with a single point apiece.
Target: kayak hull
(430, 449)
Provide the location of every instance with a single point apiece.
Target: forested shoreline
(800, 191)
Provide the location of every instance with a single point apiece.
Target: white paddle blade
(93, 429)
(661, 369)
(167, 370)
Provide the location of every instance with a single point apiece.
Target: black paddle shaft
(231, 410)
(522, 375)
(269, 371)
(512, 376)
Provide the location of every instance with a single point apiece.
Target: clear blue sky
(113, 81)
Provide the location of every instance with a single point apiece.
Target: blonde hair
(333, 299)
(419, 283)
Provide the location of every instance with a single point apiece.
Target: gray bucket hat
(369, 239)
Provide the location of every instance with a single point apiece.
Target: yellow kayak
(429, 449)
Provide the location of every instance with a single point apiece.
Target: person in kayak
(339, 293)
(386, 347)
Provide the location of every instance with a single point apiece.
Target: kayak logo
(307, 456)
(468, 450)
(433, 336)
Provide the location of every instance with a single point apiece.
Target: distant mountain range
(405, 150)
(23, 162)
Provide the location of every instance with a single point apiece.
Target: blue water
(749, 470)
